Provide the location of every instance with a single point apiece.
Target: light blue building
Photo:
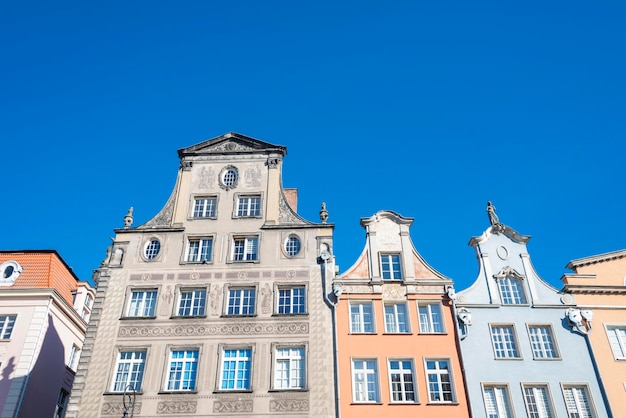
(523, 343)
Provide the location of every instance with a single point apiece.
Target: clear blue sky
(426, 108)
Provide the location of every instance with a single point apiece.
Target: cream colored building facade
(220, 304)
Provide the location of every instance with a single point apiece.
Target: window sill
(196, 263)
(367, 403)
(224, 391)
(176, 317)
(433, 333)
(363, 333)
(120, 393)
(239, 316)
(548, 359)
(404, 403)
(140, 318)
(442, 403)
(178, 392)
(398, 333)
(289, 390)
(508, 358)
(279, 315)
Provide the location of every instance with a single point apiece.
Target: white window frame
(617, 340)
(394, 323)
(497, 398)
(359, 311)
(240, 373)
(204, 207)
(143, 308)
(128, 372)
(289, 302)
(504, 342)
(290, 367)
(399, 384)
(430, 316)
(538, 400)
(245, 248)
(578, 402)
(7, 324)
(199, 249)
(152, 249)
(542, 343)
(387, 264)
(182, 372)
(436, 381)
(365, 386)
(292, 245)
(512, 291)
(197, 297)
(243, 300)
(72, 360)
(249, 206)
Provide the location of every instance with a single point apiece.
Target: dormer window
(511, 286)
(390, 266)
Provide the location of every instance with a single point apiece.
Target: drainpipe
(332, 304)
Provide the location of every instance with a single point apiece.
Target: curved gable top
(232, 143)
(498, 229)
(387, 214)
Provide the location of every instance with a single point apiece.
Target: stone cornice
(600, 258)
(594, 290)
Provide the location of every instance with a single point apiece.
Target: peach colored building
(44, 310)
(599, 286)
(397, 350)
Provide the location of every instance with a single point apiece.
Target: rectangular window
(578, 402)
(183, 366)
(497, 402)
(361, 318)
(205, 207)
(504, 341)
(249, 206)
(192, 302)
(6, 326)
(542, 342)
(430, 318)
(72, 361)
(617, 339)
(364, 381)
(289, 372)
(402, 381)
(61, 407)
(292, 300)
(246, 248)
(199, 250)
(142, 303)
(439, 380)
(241, 301)
(537, 401)
(390, 266)
(396, 319)
(236, 368)
(512, 291)
(129, 370)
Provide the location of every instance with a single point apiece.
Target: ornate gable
(232, 143)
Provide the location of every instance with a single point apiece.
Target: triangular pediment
(231, 143)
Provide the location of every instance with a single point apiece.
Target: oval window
(292, 246)
(152, 248)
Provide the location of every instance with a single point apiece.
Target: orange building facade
(599, 287)
(396, 333)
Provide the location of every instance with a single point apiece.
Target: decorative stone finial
(128, 219)
(323, 213)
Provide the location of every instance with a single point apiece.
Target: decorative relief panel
(233, 405)
(252, 177)
(362, 289)
(207, 178)
(285, 214)
(166, 300)
(289, 405)
(394, 291)
(266, 299)
(117, 408)
(286, 328)
(176, 407)
(215, 299)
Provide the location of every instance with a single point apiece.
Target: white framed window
(578, 402)
(292, 245)
(396, 318)
(142, 303)
(617, 339)
(236, 369)
(361, 318)
(241, 301)
(542, 342)
(248, 206)
(229, 177)
(86, 309)
(192, 302)
(291, 300)
(390, 266)
(72, 360)
(129, 370)
(439, 378)
(61, 406)
(537, 399)
(205, 207)
(497, 401)
(504, 341)
(511, 291)
(289, 368)
(199, 250)
(152, 249)
(7, 322)
(246, 248)
(365, 381)
(182, 370)
(430, 318)
(402, 383)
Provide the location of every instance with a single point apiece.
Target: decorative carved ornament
(508, 272)
(235, 405)
(393, 291)
(117, 408)
(176, 407)
(286, 328)
(289, 405)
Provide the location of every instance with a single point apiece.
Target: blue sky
(426, 108)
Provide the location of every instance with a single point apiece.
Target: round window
(152, 248)
(292, 245)
(229, 177)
